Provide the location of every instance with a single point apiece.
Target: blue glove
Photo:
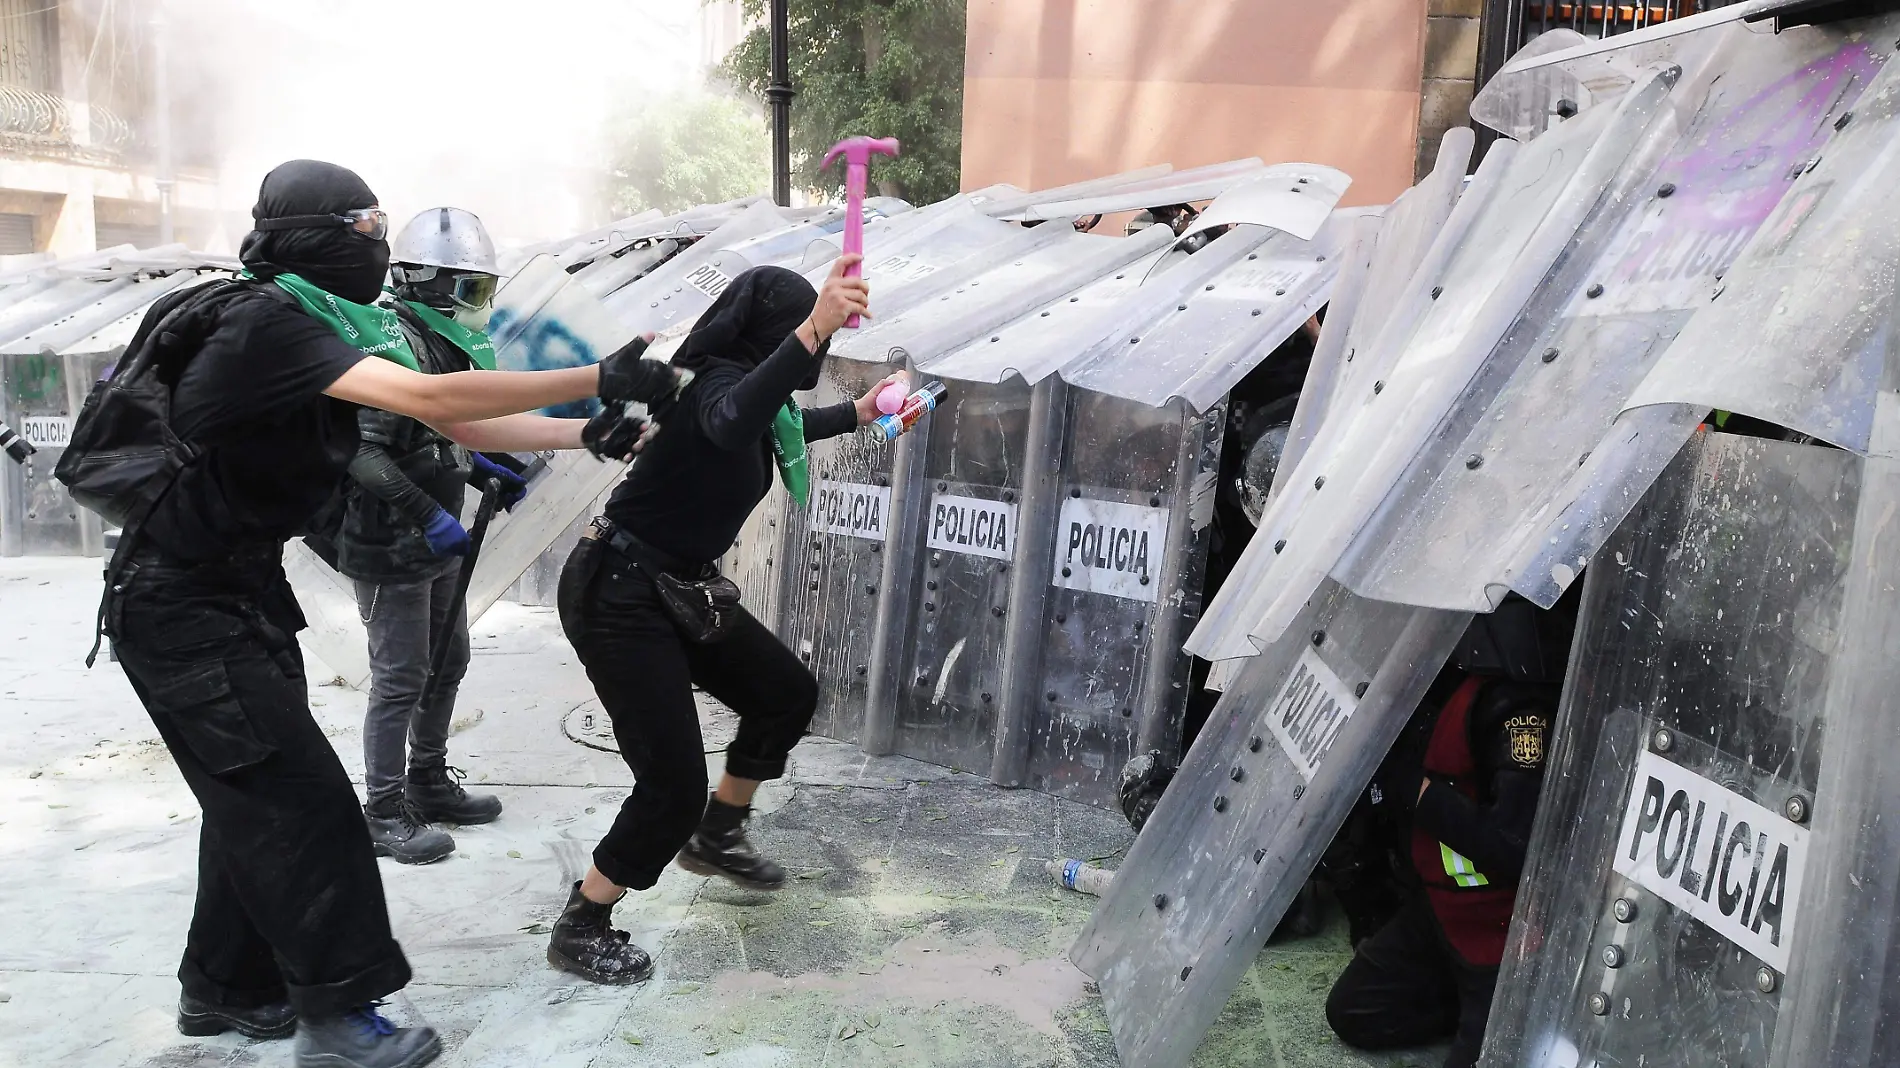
(513, 486)
(444, 535)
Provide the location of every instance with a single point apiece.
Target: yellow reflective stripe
(1461, 870)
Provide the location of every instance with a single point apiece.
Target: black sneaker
(584, 943)
(399, 831)
(437, 793)
(720, 848)
(361, 1038)
(201, 1019)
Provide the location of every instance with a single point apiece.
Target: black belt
(639, 552)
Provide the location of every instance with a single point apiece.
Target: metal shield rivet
(1127, 712)
(1220, 803)
(1612, 956)
(1766, 980)
(1319, 637)
(941, 487)
(931, 584)
(1075, 491)
(1624, 910)
(929, 606)
(869, 588)
(997, 611)
(1668, 189)
(1595, 291)
(1378, 387)
(1062, 617)
(1154, 502)
(1795, 808)
(814, 587)
(1185, 971)
(1550, 356)
(1161, 901)
(1437, 291)
(1473, 462)
(1599, 1004)
(1253, 744)
(1662, 741)
(1841, 123)
(1259, 855)
(1320, 482)
(1256, 311)
(1065, 572)
(1009, 496)
(862, 670)
(1278, 545)
(1237, 774)
(1051, 695)
(1566, 108)
(1360, 690)
(986, 699)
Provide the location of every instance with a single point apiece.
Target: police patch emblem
(1527, 740)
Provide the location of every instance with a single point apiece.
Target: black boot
(201, 1018)
(398, 830)
(437, 792)
(584, 944)
(720, 848)
(361, 1038)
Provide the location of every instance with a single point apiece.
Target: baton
(439, 642)
(15, 446)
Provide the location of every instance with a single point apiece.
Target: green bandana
(788, 448)
(481, 351)
(369, 327)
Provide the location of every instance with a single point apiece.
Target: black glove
(626, 376)
(614, 435)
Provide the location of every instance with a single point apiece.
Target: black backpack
(124, 457)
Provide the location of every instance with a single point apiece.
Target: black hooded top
(335, 258)
(693, 486)
(251, 396)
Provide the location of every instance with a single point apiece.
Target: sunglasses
(372, 223)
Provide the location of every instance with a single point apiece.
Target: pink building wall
(1058, 91)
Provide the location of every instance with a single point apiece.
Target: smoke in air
(497, 106)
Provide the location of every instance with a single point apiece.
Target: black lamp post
(779, 93)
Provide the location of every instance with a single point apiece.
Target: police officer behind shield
(265, 378)
(394, 532)
(1427, 975)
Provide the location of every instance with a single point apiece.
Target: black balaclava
(749, 321)
(334, 258)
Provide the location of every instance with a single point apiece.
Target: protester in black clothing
(677, 512)
(291, 928)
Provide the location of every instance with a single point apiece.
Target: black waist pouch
(703, 608)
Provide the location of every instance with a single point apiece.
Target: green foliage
(884, 68)
(677, 152)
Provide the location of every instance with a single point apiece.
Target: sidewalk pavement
(920, 927)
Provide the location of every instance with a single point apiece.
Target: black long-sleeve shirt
(711, 463)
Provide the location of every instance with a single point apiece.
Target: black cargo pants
(290, 902)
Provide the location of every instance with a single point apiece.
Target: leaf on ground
(816, 905)
(867, 819)
(685, 988)
(634, 1040)
(815, 873)
(536, 928)
(514, 854)
(822, 923)
(1013, 849)
(848, 1033)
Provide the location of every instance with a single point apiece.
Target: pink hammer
(857, 153)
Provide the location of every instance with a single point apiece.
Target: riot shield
(1777, 345)
(1528, 207)
(1172, 187)
(1265, 787)
(1532, 468)
(1666, 884)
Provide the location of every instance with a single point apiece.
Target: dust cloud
(498, 106)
